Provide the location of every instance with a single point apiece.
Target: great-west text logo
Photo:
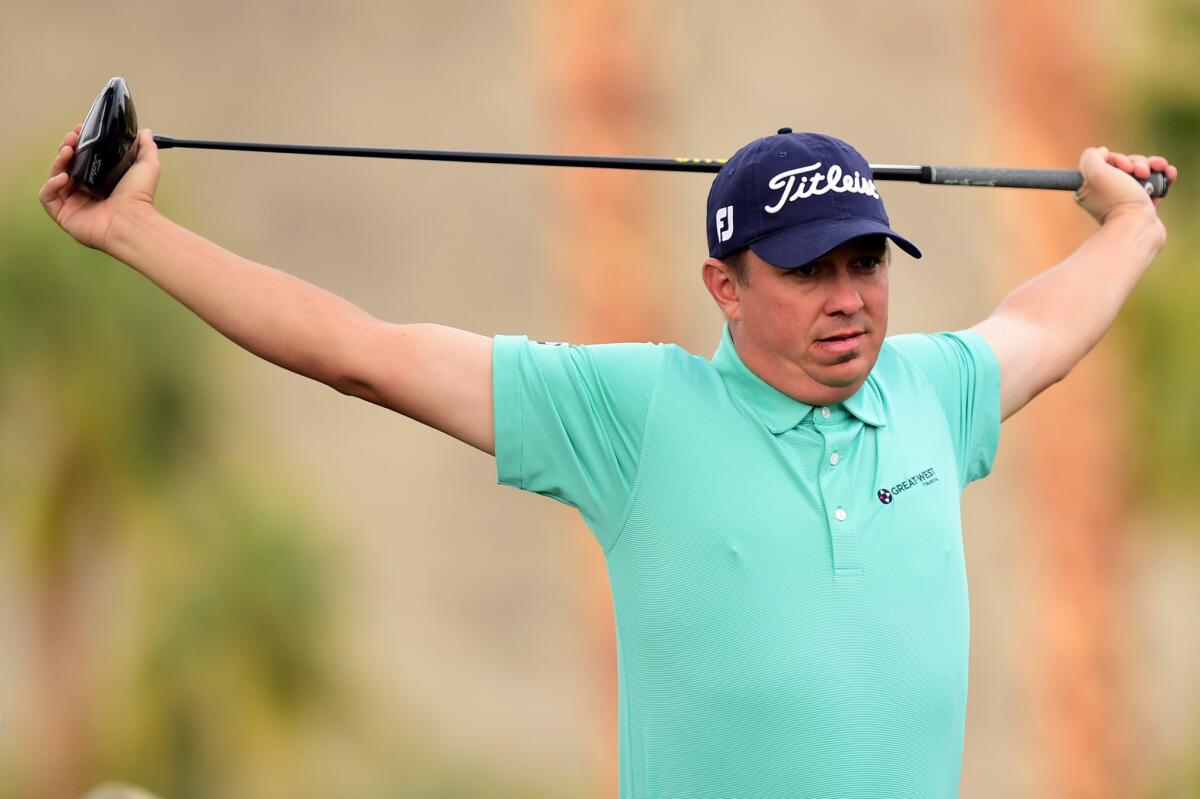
(920, 479)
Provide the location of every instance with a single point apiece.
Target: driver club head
(107, 142)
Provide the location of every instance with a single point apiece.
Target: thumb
(1092, 160)
(1107, 186)
(141, 181)
(147, 149)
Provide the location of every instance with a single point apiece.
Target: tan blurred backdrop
(475, 615)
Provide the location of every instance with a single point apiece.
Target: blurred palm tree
(179, 614)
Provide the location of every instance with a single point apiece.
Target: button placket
(835, 489)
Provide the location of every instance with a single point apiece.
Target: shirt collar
(778, 411)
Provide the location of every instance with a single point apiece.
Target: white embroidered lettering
(724, 222)
(810, 185)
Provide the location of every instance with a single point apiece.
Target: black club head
(107, 142)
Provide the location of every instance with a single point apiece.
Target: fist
(1107, 189)
(90, 220)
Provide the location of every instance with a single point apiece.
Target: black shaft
(1065, 179)
(528, 159)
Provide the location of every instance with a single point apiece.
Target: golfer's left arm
(1044, 327)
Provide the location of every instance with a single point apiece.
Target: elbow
(1057, 366)
(352, 376)
(354, 387)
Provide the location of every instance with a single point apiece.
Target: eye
(868, 262)
(804, 270)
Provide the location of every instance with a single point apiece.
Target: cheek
(792, 308)
(786, 314)
(875, 297)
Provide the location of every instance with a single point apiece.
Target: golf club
(108, 147)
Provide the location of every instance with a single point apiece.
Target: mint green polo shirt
(788, 580)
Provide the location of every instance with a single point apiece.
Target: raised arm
(434, 374)
(1047, 324)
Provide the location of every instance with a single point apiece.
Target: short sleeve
(569, 421)
(965, 376)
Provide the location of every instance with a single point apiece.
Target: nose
(844, 297)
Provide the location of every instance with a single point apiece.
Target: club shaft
(1063, 179)
(528, 159)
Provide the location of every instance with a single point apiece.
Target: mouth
(842, 342)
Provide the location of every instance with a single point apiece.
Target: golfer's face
(791, 315)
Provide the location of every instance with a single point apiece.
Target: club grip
(1065, 179)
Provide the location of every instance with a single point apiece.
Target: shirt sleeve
(965, 376)
(569, 421)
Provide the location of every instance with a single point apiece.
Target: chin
(848, 372)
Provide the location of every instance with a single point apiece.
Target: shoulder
(615, 356)
(947, 355)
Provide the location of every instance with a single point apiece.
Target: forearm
(274, 315)
(1077, 300)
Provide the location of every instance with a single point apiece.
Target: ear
(723, 287)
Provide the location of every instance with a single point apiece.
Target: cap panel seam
(755, 198)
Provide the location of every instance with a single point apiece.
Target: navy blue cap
(793, 197)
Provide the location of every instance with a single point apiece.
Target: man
(781, 523)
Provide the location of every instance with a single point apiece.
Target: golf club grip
(1065, 179)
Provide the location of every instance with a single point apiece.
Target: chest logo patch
(918, 480)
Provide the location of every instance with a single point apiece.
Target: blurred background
(218, 579)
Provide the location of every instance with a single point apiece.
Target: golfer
(781, 522)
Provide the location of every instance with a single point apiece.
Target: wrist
(127, 226)
(1140, 221)
(1136, 212)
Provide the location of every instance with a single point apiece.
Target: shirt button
(841, 515)
(825, 412)
(833, 459)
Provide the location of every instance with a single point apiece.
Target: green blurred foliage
(110, 465)
(1161, 321)
(196, 597)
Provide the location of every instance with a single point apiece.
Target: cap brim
(802, 244)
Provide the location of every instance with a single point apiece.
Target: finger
(72, 135)
(1120, 161)
(148, 145)
(1087, 161)
(59, 164)
(1141, 166)
(49, 195)
(60, 158)
(147, 149)
(1157, 163)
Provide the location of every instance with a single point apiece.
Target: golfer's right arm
(435, 374)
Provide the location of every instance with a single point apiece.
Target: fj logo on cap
(811, 185)
(725, 223)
